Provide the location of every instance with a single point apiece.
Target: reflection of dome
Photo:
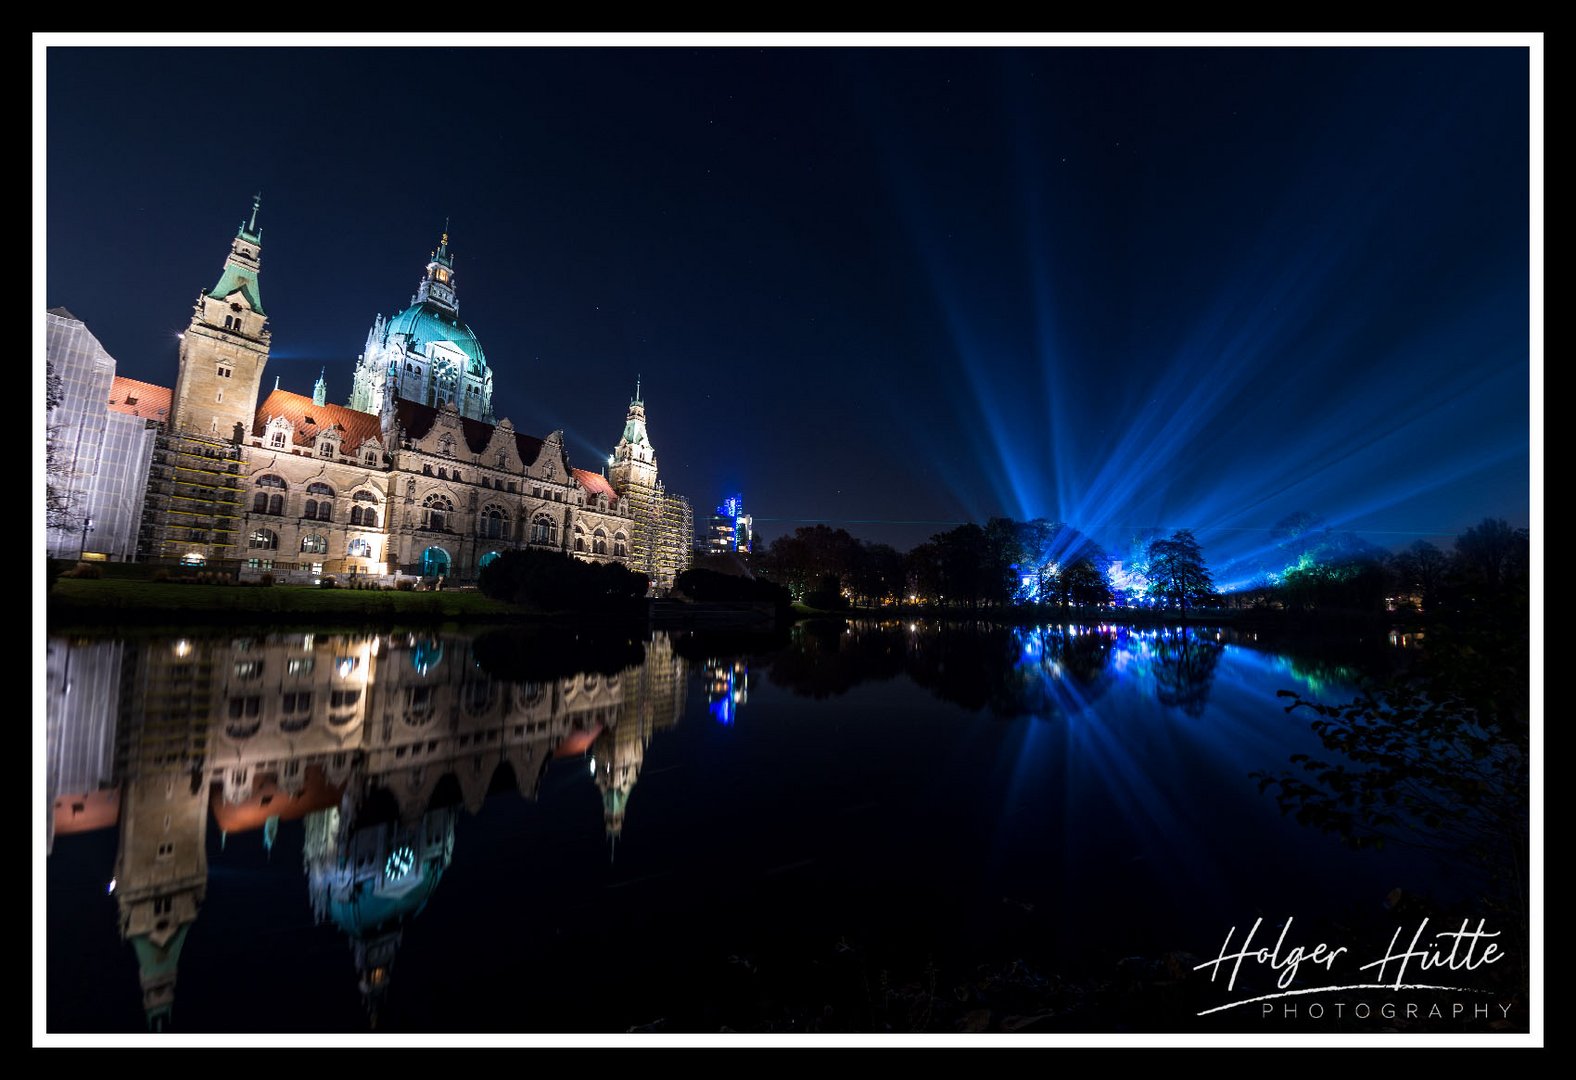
(427, 322)
(427, 655)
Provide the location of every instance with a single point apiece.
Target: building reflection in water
(727, 687)
(374, 743)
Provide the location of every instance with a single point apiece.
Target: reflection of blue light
(726, 690)
(427, 655)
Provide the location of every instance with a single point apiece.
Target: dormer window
(224, 372)
(325, 449)
(277, 439)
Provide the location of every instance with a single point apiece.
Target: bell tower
(224, 349)
(634, 460)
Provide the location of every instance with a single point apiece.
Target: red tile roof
(595, 484)
(309, 419)
(415, 418)
(270, 800)
(139, 399)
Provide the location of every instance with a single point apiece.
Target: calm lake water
(862, 828)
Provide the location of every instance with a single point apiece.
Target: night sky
(890, 289)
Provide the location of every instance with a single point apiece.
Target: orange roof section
(577, 742)
(86, 811)
(596, 484)
(310, 419)
(139, 399)
(357, 427)
(270, 800)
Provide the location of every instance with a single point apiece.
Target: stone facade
(412, 477)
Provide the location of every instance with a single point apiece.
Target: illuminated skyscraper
(729, 529)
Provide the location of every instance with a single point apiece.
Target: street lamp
(87, 527)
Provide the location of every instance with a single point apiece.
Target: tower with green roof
(224, 349)
(427, 351)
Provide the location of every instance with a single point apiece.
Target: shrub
(86, 570)
(406, 585)
(554, 581)
(266, 579)
(327, 583)
(709, 586)
(161, 574)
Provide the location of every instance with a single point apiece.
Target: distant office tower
(730, 529)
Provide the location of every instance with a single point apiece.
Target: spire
(437, 285)
(320, 388)
(276, 382)
(637, 400)
(257, 202)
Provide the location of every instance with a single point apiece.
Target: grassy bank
(109, 602)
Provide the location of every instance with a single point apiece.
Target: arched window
(436, 509)
(434, 561)
(620, 548)
(314, 545)
(267, 501)
(599, 542)
(321, 508)
(264, 539)
(359, 548)
(493, 523)
(580, 538)
(543, 531)
(487, 559)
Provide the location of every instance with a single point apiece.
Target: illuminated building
(729, 529)
(103, 430)
(412, 477)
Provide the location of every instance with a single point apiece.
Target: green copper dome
(427, 321)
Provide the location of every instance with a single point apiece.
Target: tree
(1421, 569)
(1491, 561)
(1083, 584)
(1177, 572)
(878, 573)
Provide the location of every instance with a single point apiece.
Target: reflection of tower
(161, 866)
(370, 874)
(727, 687)
(653, 701)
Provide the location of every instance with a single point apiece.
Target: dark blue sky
(892, 288)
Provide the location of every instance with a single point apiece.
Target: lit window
(277, 439)
(314, 544)
(266, 539)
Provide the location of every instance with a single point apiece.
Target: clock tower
(225, 347)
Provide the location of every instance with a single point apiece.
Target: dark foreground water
(862, 828)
